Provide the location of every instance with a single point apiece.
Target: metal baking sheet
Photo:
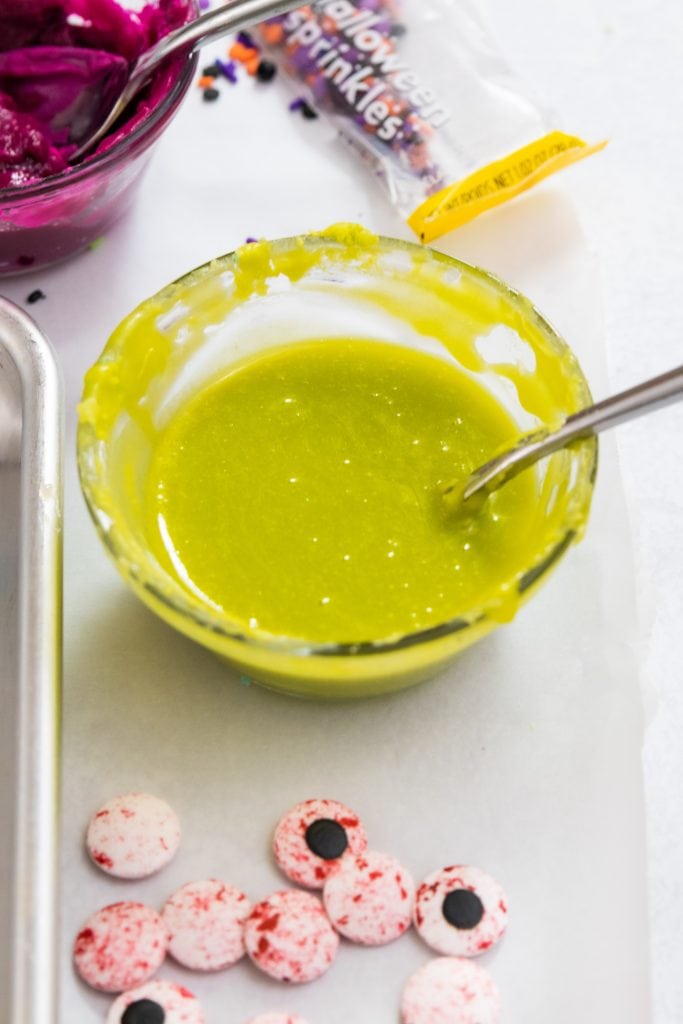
(30, 667)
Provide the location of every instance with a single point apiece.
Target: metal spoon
(627, 405)
(233, 16)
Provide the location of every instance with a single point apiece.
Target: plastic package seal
(419, 90)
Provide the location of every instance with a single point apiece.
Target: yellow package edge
(499, 181)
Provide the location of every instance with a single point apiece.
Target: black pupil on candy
(463, 909)
(143, 1011)
(326, 838)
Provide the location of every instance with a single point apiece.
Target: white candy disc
(370, 898)
(460, 911)
(312, 838)
(158, 1002)
(205, 922)
(289, 936)
(278, 1018)
(450, 991)
(133, 836)
(120, 947)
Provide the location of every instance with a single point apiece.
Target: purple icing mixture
(39, 76)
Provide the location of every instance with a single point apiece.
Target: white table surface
(613, 70)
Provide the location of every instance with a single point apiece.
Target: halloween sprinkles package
(420, 92)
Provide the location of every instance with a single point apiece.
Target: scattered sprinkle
(266, 71)
(238, 51)
(209, 95)
(212, 70)
(304, 107)
(35, 296)
(206, 81)
(247, 40)
(249, 240)
(228, 69)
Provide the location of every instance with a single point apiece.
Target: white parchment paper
(523, 759)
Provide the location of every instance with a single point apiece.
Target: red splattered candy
(314, 837)
(370, 898)
(450, 991)
(205, 922)
(460, 911)
(178, 1004)
(133, 836)
(120, 946)
(289, 937)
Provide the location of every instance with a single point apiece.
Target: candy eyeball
(460, 911)
(369, 899)
(289, 937)
(312, 838)
(120, 946)
(133, 836)
(205, 922)
(158, 1002)
(450, 991)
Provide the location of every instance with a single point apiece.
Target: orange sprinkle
(242, 53)
(272, 33)
(206, 81)
(252, 64)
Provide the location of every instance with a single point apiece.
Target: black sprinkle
(266, 71)
(212, 70)
(210, 94)
(308, 112)
(463, 909)
(143, 1011)
(35, 296)
(397, 30)
(326, 838)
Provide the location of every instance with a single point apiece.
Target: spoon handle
(231, 17)
(651, 394)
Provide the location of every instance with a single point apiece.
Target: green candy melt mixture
(299, 493)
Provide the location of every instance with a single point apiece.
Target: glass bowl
(45, 222)
(342, 283)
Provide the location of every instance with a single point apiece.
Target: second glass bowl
(344, 283)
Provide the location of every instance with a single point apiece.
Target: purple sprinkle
(204, 5)
(298, 104)
(228, 69)
(249, 240)
(246, 40)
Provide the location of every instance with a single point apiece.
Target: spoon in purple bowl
(79, 93)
